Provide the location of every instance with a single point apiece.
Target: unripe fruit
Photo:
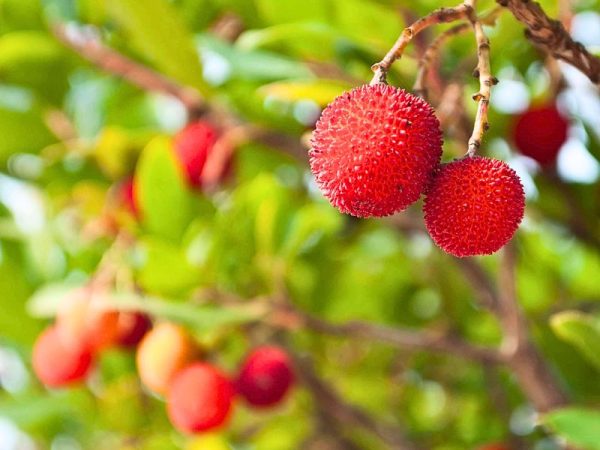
(265, 377)
(85, 321)
(374, 150)
(192, 146)
(474, 206)
(164, 351)
(56, 363)
(132, 326)
(540, 132)
(199, 399)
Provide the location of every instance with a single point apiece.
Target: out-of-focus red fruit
(199, 399)
(540, 132)
(192, 146)
(265, 377)
(58, 364)
(162, 353)
(473, 206)
(132, 326)
(127, 196)
(374, 150)
(84, 321)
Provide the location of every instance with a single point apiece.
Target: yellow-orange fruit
(162, 353)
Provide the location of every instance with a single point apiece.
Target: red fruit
(474, 206)
(127, 196)
(374, 150)
(265, 377)
(192, 146)
(132, 327)
(199, 399)
(540, 133)
(493, 447)
(56, 363)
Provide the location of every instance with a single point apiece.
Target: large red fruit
(474, 206)
(374, 150)
(265, 377)
(540, 132)
(192, 146)
(199, 399)
(56, 363)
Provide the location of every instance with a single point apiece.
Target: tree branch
(552, 37)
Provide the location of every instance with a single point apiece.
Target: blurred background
(91, 94)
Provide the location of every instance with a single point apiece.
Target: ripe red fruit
(265, 376)
(132, 326)
(496, 446)
(127, 196)
(540, 132)
(199, 399)
(57, 363)
(192, 146)
(374, 150)
(474, 206)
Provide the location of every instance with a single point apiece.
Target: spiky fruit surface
(162, 353)
(132, 327)
(474, 206)
(199, 399)
(56, 363)
(540, 132)
(192, 146)
(265, 377)
(374, 150)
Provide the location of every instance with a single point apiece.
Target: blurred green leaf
(22, 131)
(165, 202)
(321, 92)
(160, 34)
(579, 426)
(581, 330)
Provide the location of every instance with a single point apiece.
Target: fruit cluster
(199, 395)
(377, 148)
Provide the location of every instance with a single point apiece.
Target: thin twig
(442, 15)
(486, 81)
(552, 37)
(89, 47)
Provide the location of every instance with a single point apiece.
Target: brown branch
(330, 402)
(291, 318)
(90, 48)
(442, 15)
(551, 36)
(486, 81)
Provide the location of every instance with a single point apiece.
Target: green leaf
(276, 11)
(165, 202)
(580, 330)
(22, 132)
(578, 426)
(321, 92)
(160, 34)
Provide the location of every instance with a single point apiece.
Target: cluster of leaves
(70, 132)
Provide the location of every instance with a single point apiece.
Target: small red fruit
(474, 206)
(132, 326)
(497, 446)
(374, 150)
(199, 399)
(192, 146)
(265, 376)
(540, 132)
(127, 196)
(56, 363)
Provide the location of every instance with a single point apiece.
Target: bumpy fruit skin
(374, 150)
(164, 351)
(540, 132)
(265, 377)
(192, 146)
(474, 206)
(199, 399)
(56, 363)
(132, 327)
